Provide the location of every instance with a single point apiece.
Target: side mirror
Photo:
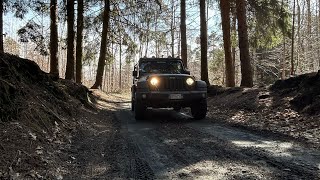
(134, 73)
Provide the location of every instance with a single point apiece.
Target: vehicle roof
(160, 59)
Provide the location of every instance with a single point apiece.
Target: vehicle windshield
(160, 67)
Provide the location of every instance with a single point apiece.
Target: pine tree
(102, 57)
(246, 68)
(70, 41)
(54, 67)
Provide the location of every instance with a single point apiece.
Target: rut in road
(174, 146)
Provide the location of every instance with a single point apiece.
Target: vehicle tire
(139, 110)
(132, 105)
(177, 109)
(199, 110)
(133, 95)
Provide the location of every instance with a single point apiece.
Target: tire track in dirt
(173, 148)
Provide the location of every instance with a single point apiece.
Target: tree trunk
(172, 29)
(79, 42)
(103, 47)
(246, 68)
(318, 34)
(292, 38)
(54, 64)
(147, 39)
(120, 65)
(155, 30)
(225, 17)
(1, 26)
(183, 30)
(299, 42)
(234, 32)
(309, 37)
(70, 41)
(283, 63)
(204, 42)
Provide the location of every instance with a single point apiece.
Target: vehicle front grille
(172, 84)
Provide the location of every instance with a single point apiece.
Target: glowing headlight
(154, 81)
(190, 81)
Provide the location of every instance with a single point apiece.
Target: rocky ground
(56, 129)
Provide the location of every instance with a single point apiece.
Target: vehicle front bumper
(163, 99)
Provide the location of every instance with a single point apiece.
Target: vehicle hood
(144, 78)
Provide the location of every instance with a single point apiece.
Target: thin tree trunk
(318, 34)
(225, 16)
(1, 26)
(183, 30)
(309, 45)
(283, 63)
(120, 65)
(147, 40)
(103, 47)
(54, 65)
(204, 42)
(299, 44)
(172, 29)
(155, 30)
(233, 49)
(112, 69)
(79, 42)
(292, 38)
(70, 41)
(104, 78)
(246, 68)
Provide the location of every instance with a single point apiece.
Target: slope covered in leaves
(36, 118)
(289, 107)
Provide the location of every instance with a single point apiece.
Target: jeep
(165, 83)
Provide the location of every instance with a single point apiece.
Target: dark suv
(165, 83)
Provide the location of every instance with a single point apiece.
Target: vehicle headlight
(190, 81)
(154, 81)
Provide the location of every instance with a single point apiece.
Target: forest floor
(52, 128)
(288, 108)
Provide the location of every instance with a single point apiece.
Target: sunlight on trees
(283, 38)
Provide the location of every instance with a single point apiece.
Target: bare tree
(292, 38)
(103, 47)
(204, 42)
(70, 41)
(225, 17)
(183, 30)
(79, 42)
(54, 65)
(246, 68)
(1, 26)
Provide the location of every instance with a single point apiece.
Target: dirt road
(171, 145)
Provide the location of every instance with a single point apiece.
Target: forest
(227, 43)
(247, 106)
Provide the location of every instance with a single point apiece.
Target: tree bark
(54, 65)
(172, 29)
(70, 41)
(246, 68)
(1, 26)
(101, 63)
(292, 38)
(120, 65)
(183, 30)
(234, 32)
(79, 42)
(225, 17)
(204, 42)
(318, 34)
